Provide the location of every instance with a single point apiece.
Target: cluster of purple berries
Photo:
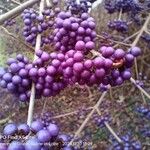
(103, 87)
(128, 143)
(52, 72)
(118, 25)
(120, 64)
(36, 24)
(144, 111)
(126, 6)
(146, 38)
(36, 137)
(101, 120)
(145, 130)
(140, 83)
(76, 8)
(46, 118)
(9, 22)
(47, 73)
(141, 80)
(16, 78)
(74, 40)
(71, 29)
(104, 69)
(131, 7)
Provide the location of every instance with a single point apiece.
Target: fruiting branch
(32, 97)
(144, 28)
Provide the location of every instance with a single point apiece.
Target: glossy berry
(43, 136)
(15, 145)
(32, 143)
(53, 129)
(10, 129)
(36, 126)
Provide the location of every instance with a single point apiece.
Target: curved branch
(17, 10)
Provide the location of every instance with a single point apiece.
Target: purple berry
(16, 145)
(119, 54)
(43, 136)
(36, 126)
(135, 51)
(80, 46)
(10, 129)
(53, 129)
(78, 67)
(32, 144)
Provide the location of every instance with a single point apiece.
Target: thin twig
(3, 121)
(140, 88)
(48, 4)
(128, 38)
(144, 28)
(16, 38)
(45, 102)
(110, 129)
(120, 14)
(32, 97)
(15, 2)
(112, 132)
(69, 114)
(89, 91)
(111, 93)
(118, 42)
(17, 10)
(148, 32)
